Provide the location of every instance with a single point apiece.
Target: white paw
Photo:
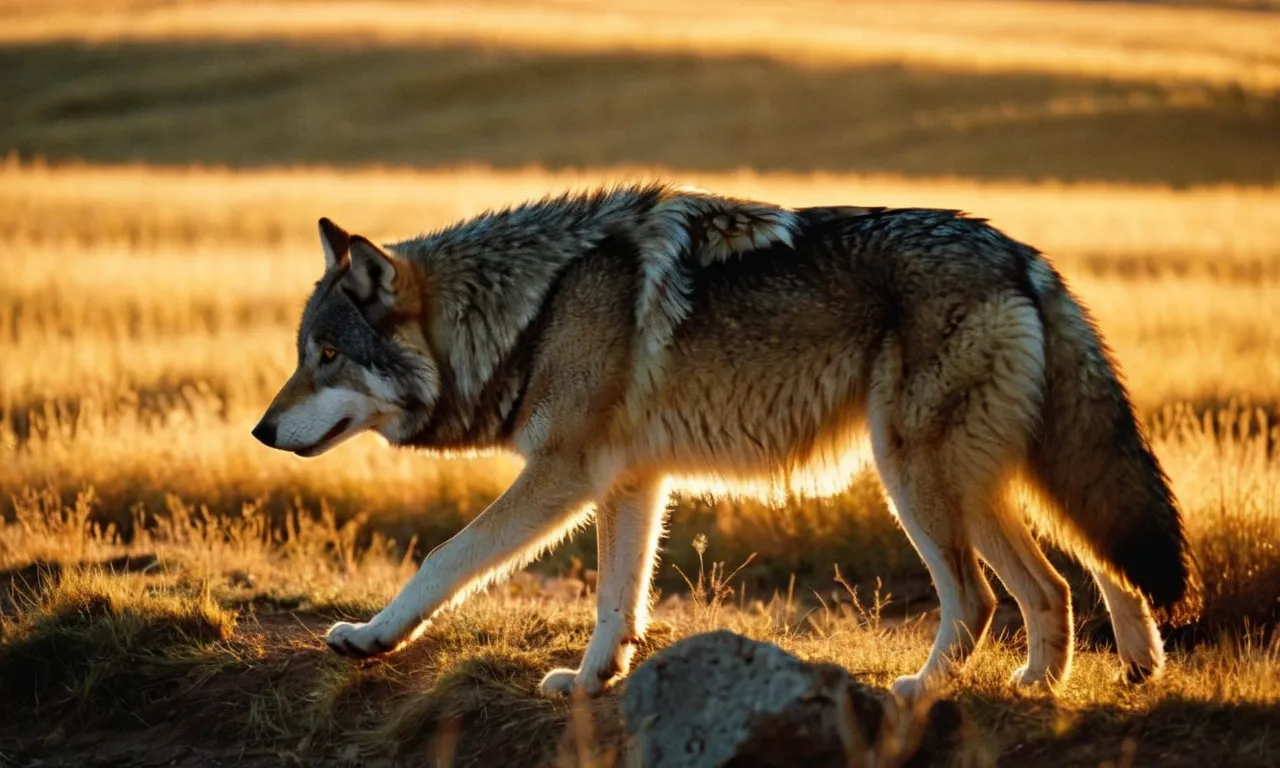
(1025, 677)
(910, 688)
(563, 682)
(558, 682)
(360, 641)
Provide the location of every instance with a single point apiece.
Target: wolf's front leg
(628, 525)
(544, 503)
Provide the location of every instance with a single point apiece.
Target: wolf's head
(363, 360)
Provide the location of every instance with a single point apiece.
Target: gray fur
(635, 339)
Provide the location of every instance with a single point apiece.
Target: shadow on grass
(257, 104)
(131, 667)
(37, 576)
(90, 644)
(1174, 731)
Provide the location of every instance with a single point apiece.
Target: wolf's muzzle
(266, 433)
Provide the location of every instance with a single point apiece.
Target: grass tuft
(107, 645)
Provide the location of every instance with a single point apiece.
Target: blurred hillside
(1175, 94)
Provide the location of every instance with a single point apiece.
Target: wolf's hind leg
(628, 526)
(1043, 596)
(945, 432)
(1138, 639)
(931, 515)
(543, 505)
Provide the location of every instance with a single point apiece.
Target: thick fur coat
(643, 339)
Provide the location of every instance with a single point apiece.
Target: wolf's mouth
(334, 431)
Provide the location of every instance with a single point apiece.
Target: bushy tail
(1093, 462)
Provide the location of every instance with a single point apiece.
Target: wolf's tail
(1092, 461)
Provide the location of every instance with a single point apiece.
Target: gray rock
(721, 699)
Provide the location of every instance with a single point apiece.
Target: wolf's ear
(372, 275)
(335, 241)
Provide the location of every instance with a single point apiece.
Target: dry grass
(96, 641)
(1219, 46)
(164, 579)
(1080, 92)
(153, 310)
(192, 639)
(204, 264)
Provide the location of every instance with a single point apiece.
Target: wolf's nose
(266, 433)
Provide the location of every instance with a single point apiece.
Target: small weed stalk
(710, 591)
(866, 616)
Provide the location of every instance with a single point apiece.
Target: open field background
(157, 238)
(1184, 95)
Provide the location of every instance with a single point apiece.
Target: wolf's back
(1094, 463)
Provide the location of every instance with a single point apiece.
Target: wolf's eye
(328, 354)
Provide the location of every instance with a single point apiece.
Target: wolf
(641, 339)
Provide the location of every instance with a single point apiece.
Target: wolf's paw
(558, 682)
(1141, 663)
(358, 641)
(1025, 677)
(1136, 673)
(562, 682)
(910, 688)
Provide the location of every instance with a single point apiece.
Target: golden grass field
(165, 580)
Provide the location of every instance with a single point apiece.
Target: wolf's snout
(266, 433)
